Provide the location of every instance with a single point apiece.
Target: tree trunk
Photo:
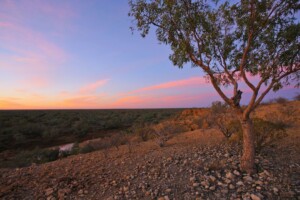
(247, 160)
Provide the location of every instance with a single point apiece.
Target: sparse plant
(165, 130)
(281, 100)
(267, 133)
(87, 149)
(297, 97)
(221, 116)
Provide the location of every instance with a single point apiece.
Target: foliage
(27, 129)
(297, 97)
(266, 133)
(222, 117)
(165, 130)
(26, 158)
(230, 41)
(285, 115)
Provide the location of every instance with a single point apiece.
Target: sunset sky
(82, 54)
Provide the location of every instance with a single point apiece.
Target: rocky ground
(193, 165)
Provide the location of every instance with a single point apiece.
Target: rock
(80, 192)
(239, 183)
(248, 179)
(51, 198)
(125, 189)
(168, 190)
(259, 182)
(193, 179)
(255, 197)
(231, 187)
(161, 198)
(49, 191)
(230, 176)
(212, 178)
(212, 188)
(166, 198)
(235, 172)
(196, 184)
(224, 191)
(275, 190)
(205, 183)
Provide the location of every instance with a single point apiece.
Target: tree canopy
(229, 41)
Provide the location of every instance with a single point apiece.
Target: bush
(165, 130)
(266, 133)
(26, 158)
(143, 131)
(281, 100)
(285, 115)
(222, 117)
(297, 97)
(87, 149)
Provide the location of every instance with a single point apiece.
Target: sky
(82, 54)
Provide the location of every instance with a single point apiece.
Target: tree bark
(247, 160)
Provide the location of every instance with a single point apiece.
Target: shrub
(266, 133)
(285, 115)
(222, 117)
(118, 139)
(87, 149)
(165, 130)
(297, 97)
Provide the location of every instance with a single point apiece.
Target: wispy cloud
(92, 87)
(193, 81)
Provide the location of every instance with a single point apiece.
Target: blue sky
(82, 54)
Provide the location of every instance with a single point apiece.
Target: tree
(230, 42)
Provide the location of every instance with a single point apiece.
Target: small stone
(248, 179)
(258, 188)
(205, 183)
(193, 179)
(224, 191)
(161, 198)
(212, 178)
(166, 198)
(229, 175)
(259, 182)
(255, 197)
(196, 184)
(275, 190)
(49, 191)
(239, 183)
(125, 189)
(231, 187)
(147, 193)
(80, 192)
(235, 172)
(51, 198)
(212, 188)
(169, 159)
(168, 190)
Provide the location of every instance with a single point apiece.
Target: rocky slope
(193, 165)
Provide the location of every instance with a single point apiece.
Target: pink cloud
(92, 87)
(193, 81)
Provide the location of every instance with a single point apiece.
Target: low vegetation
(158, 125)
